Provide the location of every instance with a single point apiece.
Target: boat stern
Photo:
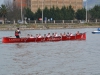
(5, 40)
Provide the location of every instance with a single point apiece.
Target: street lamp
(42, 10)
(21, 11)
(86, 11)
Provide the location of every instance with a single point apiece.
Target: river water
(51, 58)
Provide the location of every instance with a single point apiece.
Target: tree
(29, 14)
(38, 14)
(46, 13)
(0, 15)
(80, 14)
(57, 14)
(3, 11)
(64, 13)
(95, 12)
(70, 13)
(13, 12)
(52, 12)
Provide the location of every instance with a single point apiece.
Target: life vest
(16, 33)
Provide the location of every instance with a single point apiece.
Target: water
(51, 58)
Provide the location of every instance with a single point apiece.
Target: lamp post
(21, 11)
(86, 11)
(42, 10)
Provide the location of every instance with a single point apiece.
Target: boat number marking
(17, 39)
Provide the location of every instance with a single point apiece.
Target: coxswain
(17, 32)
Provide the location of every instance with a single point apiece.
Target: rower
(17, 32)
(98, 29)
(48, 35)
(39, 36)
(28, 35)
(68, 34)
(64, 34)
(31, 36)
(77, 33)
(45, 36)
(71, 34)
(53, 35)
(61, 34)
(56, 35)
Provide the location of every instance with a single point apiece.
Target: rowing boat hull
(81, 36)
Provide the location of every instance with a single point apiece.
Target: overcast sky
(1, 1)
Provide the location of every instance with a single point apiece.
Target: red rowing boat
(81, 36)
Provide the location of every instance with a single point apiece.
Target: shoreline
(46, 27)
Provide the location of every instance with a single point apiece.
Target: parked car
(8, 22)
(20, 22)
(1, 21)
(83, 21)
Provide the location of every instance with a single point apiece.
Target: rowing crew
(53, 35)
(18, 32)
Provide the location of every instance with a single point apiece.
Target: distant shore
(47, 26)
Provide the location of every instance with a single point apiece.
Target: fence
(64, 21)
(53, 21)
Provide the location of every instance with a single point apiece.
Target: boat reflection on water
(19, 45)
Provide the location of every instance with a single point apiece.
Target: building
(35, 4)
(18, 3)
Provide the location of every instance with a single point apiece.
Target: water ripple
(52, 58)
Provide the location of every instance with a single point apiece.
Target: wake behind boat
(80, 36)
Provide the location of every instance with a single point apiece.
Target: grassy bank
(48, 26)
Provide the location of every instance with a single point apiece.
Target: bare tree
(13, 12)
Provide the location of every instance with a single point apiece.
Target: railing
(54, 21)
(65, 21)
